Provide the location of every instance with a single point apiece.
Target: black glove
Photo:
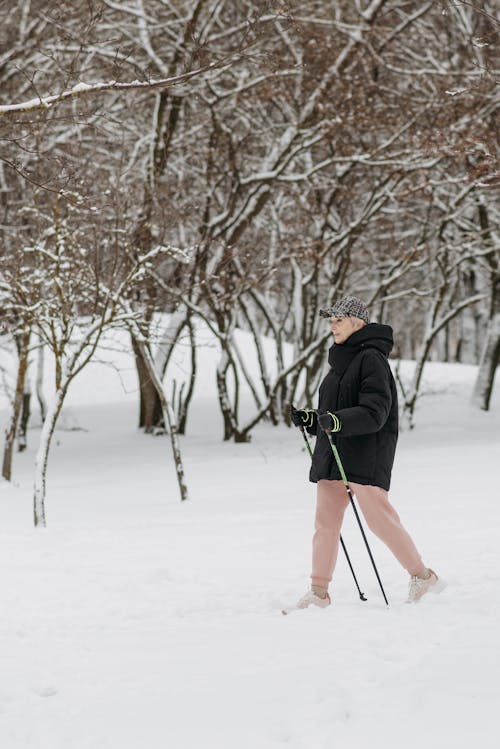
(329, 422)
(304, 418)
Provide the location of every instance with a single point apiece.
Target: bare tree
(302, 152)
(73, 294)
(490, 356)
(22, 345)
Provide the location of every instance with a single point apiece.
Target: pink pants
(382, 519)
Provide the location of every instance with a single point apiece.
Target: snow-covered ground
(135, 622)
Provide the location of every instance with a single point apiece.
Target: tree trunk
(491, 351)
(228, 410)
(42, 457)
(25, 416)
(184, 402)
(168, 417)
(176, 449)
(488, 365)
(224, 400)
(22, 342)
(150, 408)
(39, 381)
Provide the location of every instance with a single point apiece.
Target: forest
(243, 164)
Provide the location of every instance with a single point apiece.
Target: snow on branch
(84, 89)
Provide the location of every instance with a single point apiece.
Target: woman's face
(343, 327)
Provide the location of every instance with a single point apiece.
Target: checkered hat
(349, 306)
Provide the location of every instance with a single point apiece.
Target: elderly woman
(358, 408)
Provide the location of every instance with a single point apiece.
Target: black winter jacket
(360, 389)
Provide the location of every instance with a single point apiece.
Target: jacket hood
(373, 335)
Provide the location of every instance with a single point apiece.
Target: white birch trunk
(39, 380)
(42, 458)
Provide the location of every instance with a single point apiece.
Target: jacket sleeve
(374, 398)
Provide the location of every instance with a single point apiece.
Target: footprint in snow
(45, 691)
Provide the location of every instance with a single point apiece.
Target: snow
(136, 621)
(79, 87)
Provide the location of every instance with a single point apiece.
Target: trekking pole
(361, 595)
(353, 505)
